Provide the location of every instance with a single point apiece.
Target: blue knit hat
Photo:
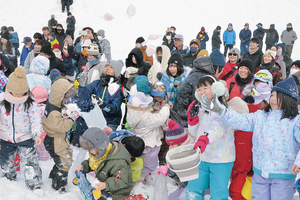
(54, 73)
(142, 83)
(158, 89)
(217, 58)
(282, 45)
(288, 87)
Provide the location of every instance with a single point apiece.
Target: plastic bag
(150, 50)
(160, 188)
(131, 11)
(94, 118)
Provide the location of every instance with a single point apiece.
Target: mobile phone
(82, 33)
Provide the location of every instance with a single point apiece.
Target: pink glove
(202, 143)
(192, 120)
(163, 169)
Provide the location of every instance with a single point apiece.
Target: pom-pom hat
(17, 82)
(175, 134)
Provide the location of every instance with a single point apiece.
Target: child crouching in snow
(20, 123)
(276, 140)
(146, 124)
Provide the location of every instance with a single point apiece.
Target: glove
(96, 100)
(293, 42)
(258, 26)
(202, 142)
(163, 169)
(194, 109)
(74, 115)
(275, 43)
(67, 23)
(243, 41)
(224, 43)
(82, 79)
(213, 105)
(192, 113)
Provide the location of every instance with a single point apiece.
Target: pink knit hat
(175, 134)
(39, 93)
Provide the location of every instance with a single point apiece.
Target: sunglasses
(256, 93)
(262, 75)
(234, 54)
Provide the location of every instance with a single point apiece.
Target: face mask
(100, 38)
(279, 52)
(37, 49)
(93, 61)
(193, 49)
(27, 46)
(138, 46)
(134, 60)
(58, 30)
(159, 58)
(293, 71)
(168, 37)
(51, 40)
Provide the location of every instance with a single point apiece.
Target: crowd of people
(239, 107)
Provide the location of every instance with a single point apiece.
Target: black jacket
(188, 59)
(71, 25)
(272, 36)
(60, 37)
(78, 57)
(56, 63)
(185, 96)
(259, 34)
(171, 45)
(143, 66)
(256, 57)
(288, 62)
(216, 40)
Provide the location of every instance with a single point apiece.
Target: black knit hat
(247, 63)
(4, 28)
(218, 28)
(5, 35)
(46, 48)
(140, 40)
(177, 59)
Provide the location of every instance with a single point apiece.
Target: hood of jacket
(203, 64)
(165, 55)
(118, 152)
(58, 91)
(138, 56)
(39, 65)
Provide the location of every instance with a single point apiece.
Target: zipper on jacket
(13, 123)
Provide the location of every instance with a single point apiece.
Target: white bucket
(184, 161)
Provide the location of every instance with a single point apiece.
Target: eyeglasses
(256, 93)
(230, 54)
(262, 75)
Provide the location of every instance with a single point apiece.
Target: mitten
(96, 100)
(202, 142)
(163, 169)
(213, 105)
(82, 79)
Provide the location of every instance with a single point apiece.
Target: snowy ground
(152, 17)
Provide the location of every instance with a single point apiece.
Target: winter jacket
(185, 96)
(146, 58)
(78, 57)
(272, 36)
(281, 63)
(114, 171)
(53, 123)
(14, 39)
(235, 89)
(202, 41)
(216, 40)
(3, 80)
(182, 51)
(52, 22)
(55, 41)
(25, 53)
(159, 67)
(67, 60)
(105, 47)
(143, 66)
(31, 55)
(229, 37)
(288, 62)
(11, 54)
(169, 45)
(245, 35)
(288, 37)
(146, 124)
(71, 23)
(188, 59)
(56, 63)
(228, 67)
(275, 141)
(255, 57)
(60, 37)
(220, 148)
(94, 72)
(19, 124)
(37, 76)
(274, 70)
(259, 34)
(111, 106)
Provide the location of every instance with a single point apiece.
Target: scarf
(15, 100)
(174, 85)
(65, 52)
(94, 163)
(57, 54)
(252, 51)
(267, 66)
(242, 82)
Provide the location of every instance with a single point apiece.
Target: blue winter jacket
(24, 54)
(14, 38)
(183, 50)
(202, 41)
(229, 36)
(275, 141)
(111, 106)
(245, 35)
(68, 64)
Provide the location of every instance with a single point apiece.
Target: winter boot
(53, 172)
(59, 180)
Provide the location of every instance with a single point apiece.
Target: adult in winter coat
(34, 53)
(272, 36)
(67, 60)
(279, 60)
(237, 83)
(64, 4)
(229, 38)
(269, 64)
(140, 43)
(185, 95)
(231, 67)
(38, 69)
(14, 38)
(289, 37)
(216, 39)
(259, 34)
(5, 65)
(46, 31)
(27, 48)
(162, 56)
(7, 49)
(245, 36)
(52, 23)
(55, 63)
(288, 61)
(202, 37)
(189, 58)
(254, 53)
(104, 45)
(179, 47)
(60, 35)
(169, 42)
(70, 21)
(135, 59)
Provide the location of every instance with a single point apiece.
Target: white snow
(150, 21)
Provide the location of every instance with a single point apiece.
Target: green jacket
(52, 23)
(115, 171)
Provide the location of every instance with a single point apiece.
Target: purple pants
(150, 160)
(271, 188)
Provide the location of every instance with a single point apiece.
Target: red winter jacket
(228, 67)
(235, 91)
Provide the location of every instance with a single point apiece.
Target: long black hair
(180, 71)
(27, 103)
(288, 105)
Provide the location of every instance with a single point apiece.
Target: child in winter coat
(57, 127)
(216, 142)
(3, 80)
(40, 95)
(20, 126)
(67, 60)
(52, 39)
(146, 124)
(56, 50)
(110, 160)
(275, 140)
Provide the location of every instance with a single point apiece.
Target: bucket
(184, 162)
(247, 189)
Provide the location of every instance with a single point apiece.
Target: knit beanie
(288, 87)
(5, 35)
(54, 73)
(92, 138)
(56, 46)
(86, 43)
(101, 32)
(230, 24)
(158, 89)
(247, 63)
(218, 28)
(17, 82)
(202, 30)
(116, 65)
(175, 134)
(46, 48)
(217, 58)
(93, 50)
(4, 28)
(282, 45)
(140, 40)
(177, 59)
(4, 61)
(203, 53)
(143, 85)
(196, 41)
(235, 50)
(39, 93)
(271, 53)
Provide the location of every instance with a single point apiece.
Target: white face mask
(134, 60)
(168, 37)
(100, 38)
(293, 71)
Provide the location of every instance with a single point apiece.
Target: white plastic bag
(150, 50)
(94, 118)
(131, 11)
(160, 188)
